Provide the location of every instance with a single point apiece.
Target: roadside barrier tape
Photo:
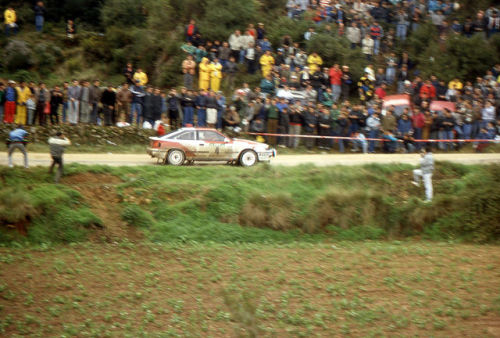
(368, 139)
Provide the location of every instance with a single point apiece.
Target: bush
(47, 56)
(222, 17)
(268, 211)
(17, 55)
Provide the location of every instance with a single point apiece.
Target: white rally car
(205, 144)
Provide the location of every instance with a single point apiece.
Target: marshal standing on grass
(57, 146)
(425, 173)
(17, 140)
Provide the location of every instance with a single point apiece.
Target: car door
(213, 145)
(188, 141)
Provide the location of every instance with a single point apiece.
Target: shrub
(273, 211)
(17, 55)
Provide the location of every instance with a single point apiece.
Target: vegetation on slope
(261, 204)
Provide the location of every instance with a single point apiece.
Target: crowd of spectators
(298, 93)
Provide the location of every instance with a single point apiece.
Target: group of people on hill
(11, 26)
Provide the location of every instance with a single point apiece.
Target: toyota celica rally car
(204, 144)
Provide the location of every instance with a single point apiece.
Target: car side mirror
(227, 140)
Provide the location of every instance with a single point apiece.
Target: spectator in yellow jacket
(266, 63)
(455, 84)
(141, 76)
(10, 21)
(215, 75)
(314, 61)
(23, 94)
(204, 69)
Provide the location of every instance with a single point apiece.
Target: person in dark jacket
(129, 72)
(39, 16)
(108, 100)
(201, 108)
(188, 104)
(284, 125)
(148, 106)
(94, 98)
(173, 108)
(137, 103)
(157, 104)
(324, 123)
(446, 130)
(56, 99)
(310, 125)
(57, 147)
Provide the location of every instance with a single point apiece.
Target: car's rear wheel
(248, 158)
(176, 157)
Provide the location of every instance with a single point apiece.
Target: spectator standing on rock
(108, 100)
(74, 94)
(425, 172)
(57, 147)
(23, 94)
(95, 98)
(123, 100)
(85, 105)
(10, 21)
(42, 98)
(17, 140)
(137, 103)
(56, 99)
(10, 102)
(40, 11)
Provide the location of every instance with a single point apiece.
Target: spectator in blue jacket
(39, 16)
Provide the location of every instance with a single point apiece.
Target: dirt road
(43, 159)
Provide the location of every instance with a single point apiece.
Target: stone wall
(84, 134)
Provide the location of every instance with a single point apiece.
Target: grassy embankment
(261, 204)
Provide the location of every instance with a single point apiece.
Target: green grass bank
(258, 205)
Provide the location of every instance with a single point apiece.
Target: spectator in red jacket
(428, 90)
(418, 120)
(336, 82)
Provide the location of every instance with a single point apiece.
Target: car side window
(186, 136)
(210, 136)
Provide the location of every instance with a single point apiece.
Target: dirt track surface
(43, 159)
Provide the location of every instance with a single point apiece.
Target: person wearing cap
(58, 144)
(17, 140)
(10, 102)
(23, 94)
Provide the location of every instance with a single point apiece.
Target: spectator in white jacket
(367, 47)
(235, 44)
(353, 34)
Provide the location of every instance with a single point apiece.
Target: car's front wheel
(248, 158)
(176, 157)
